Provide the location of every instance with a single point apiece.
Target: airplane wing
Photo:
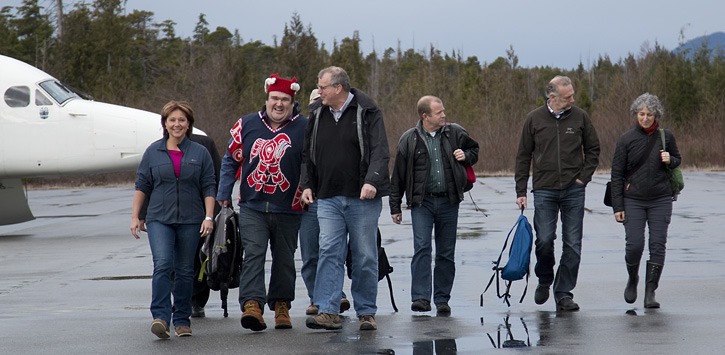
(14, 207)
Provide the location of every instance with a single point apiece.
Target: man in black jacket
(345, 170)
(430, 171)
(558, 139)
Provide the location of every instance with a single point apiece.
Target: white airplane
(47, 129)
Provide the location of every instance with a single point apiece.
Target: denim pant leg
(283, 243)
(420, 266)
(161, 241)
(172, 248)
(572, 220)
(547, 206)
(255, 238)
(309, 247)
(362, 222)
(333, 248)
(187, 239)
(546, 211)
(444, 272)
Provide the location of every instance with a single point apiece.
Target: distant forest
(130, 59)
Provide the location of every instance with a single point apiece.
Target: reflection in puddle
(505, 336)
(438, 347)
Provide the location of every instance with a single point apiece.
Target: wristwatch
(207, 218)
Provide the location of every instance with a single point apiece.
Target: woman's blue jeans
(173, 247)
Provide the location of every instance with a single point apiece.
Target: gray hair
(651, 102)
(555, 83)
(338, 76)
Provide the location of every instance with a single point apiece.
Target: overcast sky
(555, 33)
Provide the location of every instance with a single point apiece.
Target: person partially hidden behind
(177, 175)
(642, 195)
(560, 145)
(430, 170)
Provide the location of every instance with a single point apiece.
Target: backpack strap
(497, 270)
(390, 287)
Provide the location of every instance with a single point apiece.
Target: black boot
(630, 292)
(654, 271)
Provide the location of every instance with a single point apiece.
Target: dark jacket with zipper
(375, 155)
(651, 181)
(558, 151)
(175, 200)
(412, 164)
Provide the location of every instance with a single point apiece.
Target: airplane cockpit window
(41, 100)
(58, 91)
(17, 96)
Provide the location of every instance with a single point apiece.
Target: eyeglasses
(321, 88)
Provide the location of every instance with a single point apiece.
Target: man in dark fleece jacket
(561, 143)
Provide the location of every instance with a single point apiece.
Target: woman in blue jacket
(178, 177)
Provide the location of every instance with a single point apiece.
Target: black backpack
(221, 255)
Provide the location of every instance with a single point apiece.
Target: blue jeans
(438, 212)
(339, 217)
(310, 248)
(279, 230)
(173, 247)
(547, 206)
(638, 213)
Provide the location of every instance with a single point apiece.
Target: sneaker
(281, 316)
(542, 294)
(252, 316)
(326, 321)
(420, 305)
(183, 331)
(567, 304)
(312, 310)
(160, 328)
(443, 309)
(368, 323)
(197, 312)
(344, 305)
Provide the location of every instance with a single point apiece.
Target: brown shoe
(252, 316)
(326, 321)
(281, 316)
(368, 323)
(183, 331)
(160, 328)
(344, 305)
(312, 310)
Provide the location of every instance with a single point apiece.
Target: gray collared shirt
(337, 114)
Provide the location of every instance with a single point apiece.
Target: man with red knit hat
(265, 154)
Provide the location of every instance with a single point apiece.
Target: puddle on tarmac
(509, 332)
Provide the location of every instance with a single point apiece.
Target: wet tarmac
(75, 281)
